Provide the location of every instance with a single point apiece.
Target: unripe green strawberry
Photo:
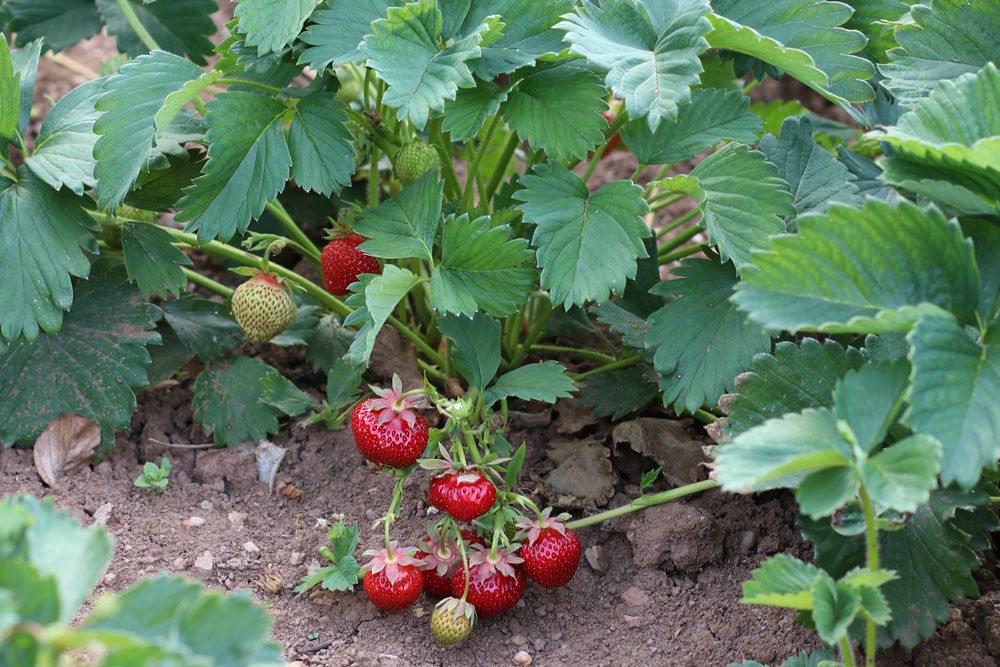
(263, 307)
(452, 621)
(413, 160)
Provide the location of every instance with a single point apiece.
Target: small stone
(206, 505)
(205, 562)
(109, 578)
(180, 564)
(296, 558)
(635, 597)
(237, 519)
(518, 640)
(297, 663)
(193, 522)
(633, 621)
(521, 658)
(371, 514)
(540, 612)
(556, 636)
(419, 612)
(102, 514)
(539, 644)
(748, 540)
(597, 558)
(251, 548)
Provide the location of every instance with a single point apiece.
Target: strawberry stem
(397, 499)
(643, 502)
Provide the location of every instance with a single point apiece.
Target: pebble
(193, 522)
(597, 558)
(207, 505)
(521, 658)
(371, 514)
(251, 548)
(635, 597)
(556, 636)
(180, 564)
(633, 622)
(110, 577)
(296, 558)
(102, 514)
(748, 540)
(237, 518)
(540, 612)
(205, 562)
(518, 640)
(539, 644)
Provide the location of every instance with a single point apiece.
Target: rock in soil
(676, 536)
(583, 476)
(667, 442)
(597, 558)
(521, 659)
(636, 597)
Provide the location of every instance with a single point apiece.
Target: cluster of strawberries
(474, 578)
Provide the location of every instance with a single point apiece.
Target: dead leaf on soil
(269, 458)
(291, 491)
(667, 442)
(65, 447)
(583, 476)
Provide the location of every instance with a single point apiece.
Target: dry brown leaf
(65, 447)
(290, 491)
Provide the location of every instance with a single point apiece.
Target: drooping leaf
(181, 27)
(876, 279)
(203, 327)
(248, 164)
(227, 401)
(281, 393)
(406, 225)
(381, 295)
(320, 144)
(710, 116)
(61, 23)
(335, 34)
(476, 346)
(701, 340)
(558, 109)
(271, 25)
(586, 244)
(91, 368)
(545, 381)
(481, 269)
(152, 261)
(649, 50)
(619, 393)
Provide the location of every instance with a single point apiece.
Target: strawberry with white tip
(393, 577)
(387, 429)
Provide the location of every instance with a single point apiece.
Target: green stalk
(590, 355)
(871, 548)
(452, 187)
(643, 502)
(845, 651)
(610, 366)
(294, 232)
(477, 160)
(616, 124)
(679, 240)
(373, 178)
(674, 224)
(207, 283)
(704, 416)
(133, 21)
(534, 334)
(681, 253)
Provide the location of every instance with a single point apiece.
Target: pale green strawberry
(452, 621)
(263, 307)
(413, 160)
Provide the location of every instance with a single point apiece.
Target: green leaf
(465, 115)
(955, 383)
(649, 50)
(797, 26)
(321, 146)
(335, 34)
(403, 49)
(126, 131)
(701, 340)
(175, 102)
(61, 23)
(558, 108)
(824, 492)
(481, 269)
(476, 349)
(26, 64)
(406, 225)
(814, 175)
(203, 327)
(712, 115)
(42, 232)
(528, 33)
(869, 400)
(783, 581)
(9, 92)
(775, 112)
(152, 260)
(302, 329)
(797, 377)
(64, 150)
(835, 606)
(876, 278)
(381, 296)
(343, 382)
(874, 18)
(942, 40)
(180, 26)
(780, 452)
(619, 393)
(271, 25)
(281, 393)
(545, 381)
(902, 476)
(328, 344)
(248, 164)
(632, 328)
(586, 244)
(227, 401)
(986, 237)
(33, 596)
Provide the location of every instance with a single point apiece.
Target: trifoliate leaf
(875, 276)
(465, 115)
(783, 581)
(902, 476)
(712, 115)
(419, 73)
(227, 401)
(835, 606)
(586, 244)
(406, 225)
(336, 31)
(546, 381)
(814, 175)
(61, 23)
(152, 261)
(248, 164)
(203, 327)
(91, 368)
(799, 24)
(42, 235)
(796, 377)
(702, 341)
(558, 108)
(481, 269)
(181, 27)
(527, 33)
(869, 399)
(381, 296)
(476, 346)
(942, 40)
(64, 150)
(617, 394)
(955, 384)
(271, 25)
(126, 131)
(649, 50)
(321, 145)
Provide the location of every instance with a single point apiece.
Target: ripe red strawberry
(342, 263)
(439, 491)
(452, 621)
(495, 584)
(387, 429)
(263, 307)
(551, 553)
(471, 538)
(472, 495)
(393, 578)
(439, 556)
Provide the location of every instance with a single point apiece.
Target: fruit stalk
(643, 502)
(137, 26)
(296, 234)
(871, 547)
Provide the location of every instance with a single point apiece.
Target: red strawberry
(615, 141)
(495, 584)
(342, 263)
(472, 495)
(439, 556)
(393, 578)
(551, 553)
(439, 491)
(471, 537)
(387, 429)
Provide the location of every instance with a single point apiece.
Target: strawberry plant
(825, 299)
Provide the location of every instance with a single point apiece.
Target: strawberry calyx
(484, 563)
(394, 406)
(390, 561)
(533, 528)
(438, 552)
(458, 608)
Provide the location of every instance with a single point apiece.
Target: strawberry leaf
(406, 225)
(465, 115)
(869, 399)
(649, 50)
(281, 393)
(617, 394)
(701, 340)
(248, 164)
(203, 327)
(9, 89)
(335, 34)
(546, 381)
(783, 581)
(92, 365)
(476, 349)
(835, 606)
(902, 476)
(180, 26)
(587, 244)
(528, 33)
(152, 260)
(271, 25)
(876, 279)
(381, 294)
(227, 401)
(321, 145)
(482, 269)
(61, 23)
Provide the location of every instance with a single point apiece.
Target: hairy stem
(619, 120)
(681, 253)
(871, 549)
(207, 283)
(643, 502)
(625, 362)
(470, 177)
(133, 21)
(576, 352)
(293, 230)
(501, 168)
